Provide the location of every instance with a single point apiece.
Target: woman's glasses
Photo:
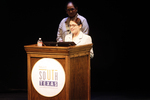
(73, 25)
(71, 9)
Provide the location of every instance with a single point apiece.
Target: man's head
(71, 9)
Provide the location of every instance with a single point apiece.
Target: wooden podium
(76, 64)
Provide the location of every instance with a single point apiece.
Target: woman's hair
(74, 4)
(77, 21)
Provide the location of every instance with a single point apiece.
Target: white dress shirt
(64, 29)
(82, 39)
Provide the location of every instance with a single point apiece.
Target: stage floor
(94, 96)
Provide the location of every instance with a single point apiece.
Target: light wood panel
(76, 63)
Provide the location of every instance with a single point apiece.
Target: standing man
(64, 29)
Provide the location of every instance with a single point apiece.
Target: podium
(75, 61)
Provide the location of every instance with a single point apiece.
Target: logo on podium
(48, 77)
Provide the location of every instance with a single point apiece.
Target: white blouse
(82, 39)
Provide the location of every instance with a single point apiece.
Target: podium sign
(48, 77)
(58, 73)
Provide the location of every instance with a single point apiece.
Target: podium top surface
(58, 49)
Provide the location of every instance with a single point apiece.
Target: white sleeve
(85, 27)
(59, 32)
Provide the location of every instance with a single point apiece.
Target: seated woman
(77, 36)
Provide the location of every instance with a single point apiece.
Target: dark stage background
(113, 67)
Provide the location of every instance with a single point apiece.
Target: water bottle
(39, 42)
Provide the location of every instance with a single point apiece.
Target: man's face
(71, 10)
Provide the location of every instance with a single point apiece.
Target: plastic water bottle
(39, 42)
